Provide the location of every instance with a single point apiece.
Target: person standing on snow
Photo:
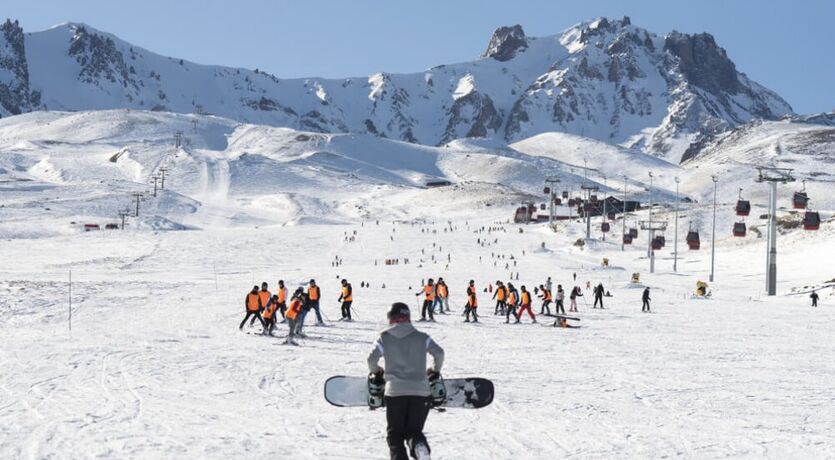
(545, 295)
(282, 299)
(814, 298)
(253, 306)
(512, 302)
(560, 298)
(575, 291)
(548, 284)
(472, 303)
(501, 296)
(645, 298)
(264, 296)
(269, 315)
(313, 296)
(347, 298)
(429, 293)
(441, 293)
(293, 315)
(407, 394)
(598, 295)
(525, 300)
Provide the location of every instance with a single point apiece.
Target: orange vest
(313, 293)
(346, 297)
(282, 295)
(253, 302)
(295, 307)
(471, 299)
(442, 290)
(526, 298)
(269, 311)
(429, 291)
(265, 297)
(547, 294)
(511, 299)
(500, 294)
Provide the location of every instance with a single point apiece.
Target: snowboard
(562, 317)
(461, 393)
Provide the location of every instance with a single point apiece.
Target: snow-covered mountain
(603, 79)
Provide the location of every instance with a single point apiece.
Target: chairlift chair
(740, 229)
(743, 207)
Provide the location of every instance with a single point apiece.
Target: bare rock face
(505, 42)
(703, 62)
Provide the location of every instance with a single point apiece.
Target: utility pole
(178, 139)
(773, 176)
(605, 216)
(675, 240)
(552, 182)
(122, 214)
(162, 172)
(587, 206)
(155, 178)
(713, 234)
(622, 244)
(651, 234)
(137, 196)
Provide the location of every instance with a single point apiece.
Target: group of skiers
(262, 305)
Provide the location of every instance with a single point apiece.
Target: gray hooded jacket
(404, 348)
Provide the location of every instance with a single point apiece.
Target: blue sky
(785, 45)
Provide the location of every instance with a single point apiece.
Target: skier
(347, 298)
(441, 293)
(282, 299)
(598, 295)
(512, 302)
(645, 298)
(472, 303)
(252, 304)
(429, 292)
(293, 313)
(313, 295)
(575, 291)
(814, 298)
(269, 315)
(407, 395)
(526, 305)
(264, 297)
(560, 297)
(546, 299)
(500, 295)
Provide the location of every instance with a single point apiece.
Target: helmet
(398, 311)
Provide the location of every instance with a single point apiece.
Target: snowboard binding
(437, 389)
(376, 390)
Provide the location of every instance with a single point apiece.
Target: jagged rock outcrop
(15, 97)
(505, 43)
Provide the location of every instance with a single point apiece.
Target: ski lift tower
(587, 206)
(652, 226)
(773, 176)
(552, 182)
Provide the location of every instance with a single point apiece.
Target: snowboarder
(512, 302)
(559, 297)
(526, 305)
(645, 298)
(501, 296)
(472, 303)
(313, 295)
(575, 291)
(429, 293)
(347, 298)
(598, 295)
(407, 395)
(252, 304)
(545, 295)
(814, 298)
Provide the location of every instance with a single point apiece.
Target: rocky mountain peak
(703, 62)
(505, 42)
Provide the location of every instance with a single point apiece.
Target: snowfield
(155, 367)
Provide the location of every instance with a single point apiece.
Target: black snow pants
(559, 308)
(500, 306)
(645, 307)
(406, 416)
(545, 307)
(598, 298)
(427, 306)
(255, 314)
(346, 309)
